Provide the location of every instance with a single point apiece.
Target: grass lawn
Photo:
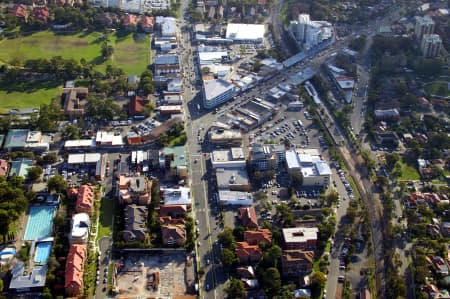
(409, 173)
(439, 88)
(355, 190)
(45, 44)
(27, 95)
(131, 53)
(105, 222)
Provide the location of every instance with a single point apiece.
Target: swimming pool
(39, 224)
(42, 252)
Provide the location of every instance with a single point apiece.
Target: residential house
(136, 106)
(130, 22)
(219, 13)
(85, 200)
(146, 23)
(303, 238)
(439, 265)
(248, 217)
(73, 101)
(20, 11)
(173, 235)
(246, 272)
(256, 237)
(3, 167)
(41, 14)
(247, 253)
(107, 19)
(135, 189)
(135, 219)
(75, 270)
(295, 262)
(176, 211)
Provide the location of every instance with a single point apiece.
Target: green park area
(439, 88)
(131, 53)
(409, 172)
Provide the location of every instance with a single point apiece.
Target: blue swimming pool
(42, 252)
(39, 224)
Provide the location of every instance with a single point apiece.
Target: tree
(285, 215)
(57, 184)
(271, 281)
(102, 109)
(318, 280)
(228, 257)
(296, 179)
(71, 132)
(226, 238)
(235, 289)
(391, 160)
(272, 255)
(34, 173)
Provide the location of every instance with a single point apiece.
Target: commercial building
(431, 45)
(27, 280)
(104, 138)
(17, 139)
(267, 156)
(81, 144)
(222, 137)
(344, 84)
(309, 34)
(168, 26)
(165, 64)
(245, 33)
(136, 6)
(80, 228)
(174, 160)
(313, 170)
(134, 189)
(233, 157)
(424, 25)
(236, 198)
(216, 92)
(176, 196)
(135, 220)
(20, 168)
(300, 238)
(211, 57)
(233, 179)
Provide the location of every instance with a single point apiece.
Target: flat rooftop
(300, 234)
(245, 32)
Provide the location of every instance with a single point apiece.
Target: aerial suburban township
(178, 149)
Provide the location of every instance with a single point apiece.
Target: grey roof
(35, 279)
(166, 59)
(213, 88)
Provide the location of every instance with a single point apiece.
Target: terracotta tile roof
(41, 13)
(169, 220)
(130, 19)
(136, 105)
(248, 253)
(172, 210)
(255, 237)
(173, 234)
(75, 269)
(3, 167)
(248, 217)
(147, 22)
(85, 199)
(20, 11)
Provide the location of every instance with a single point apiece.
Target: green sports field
(131, 53)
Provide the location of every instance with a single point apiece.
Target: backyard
(131, 53)
(409, 172)
(440, 88)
